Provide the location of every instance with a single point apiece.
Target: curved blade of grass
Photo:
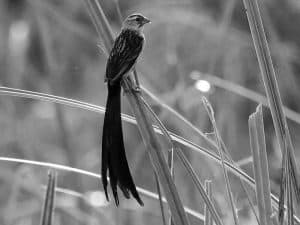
(248, 179)
(210, 113)
(98, 109)
(48, 208)
(90, 174)
(272, 90)
(147, 193)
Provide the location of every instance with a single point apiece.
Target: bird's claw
(127, 89)
(137, 89)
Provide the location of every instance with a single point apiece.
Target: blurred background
(52, 47)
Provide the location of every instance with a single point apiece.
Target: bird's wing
(126, 50)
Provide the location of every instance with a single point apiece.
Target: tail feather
(113, 151)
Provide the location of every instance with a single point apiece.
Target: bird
(122, 59)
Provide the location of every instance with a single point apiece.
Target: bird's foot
(137, 89)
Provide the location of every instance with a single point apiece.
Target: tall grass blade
(256, 148)
(264, 163)
(272, 90)
(48, 209)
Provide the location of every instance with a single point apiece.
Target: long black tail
(113, 151)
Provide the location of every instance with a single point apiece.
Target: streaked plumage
(123, 56)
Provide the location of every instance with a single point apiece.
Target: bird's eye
(138, 19)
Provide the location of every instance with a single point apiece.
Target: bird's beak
(146, 20)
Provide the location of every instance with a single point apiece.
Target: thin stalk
(48, 209)
(210, 113)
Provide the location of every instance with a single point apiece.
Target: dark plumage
(123, 56)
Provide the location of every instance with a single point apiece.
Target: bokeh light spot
(18, 36)
(96, 198)
(203, 85)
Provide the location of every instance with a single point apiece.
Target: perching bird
(122, 59)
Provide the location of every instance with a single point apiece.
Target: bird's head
(135, 22)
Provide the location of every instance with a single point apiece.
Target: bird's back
(127, 48)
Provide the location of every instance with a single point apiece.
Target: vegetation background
(52, 47)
